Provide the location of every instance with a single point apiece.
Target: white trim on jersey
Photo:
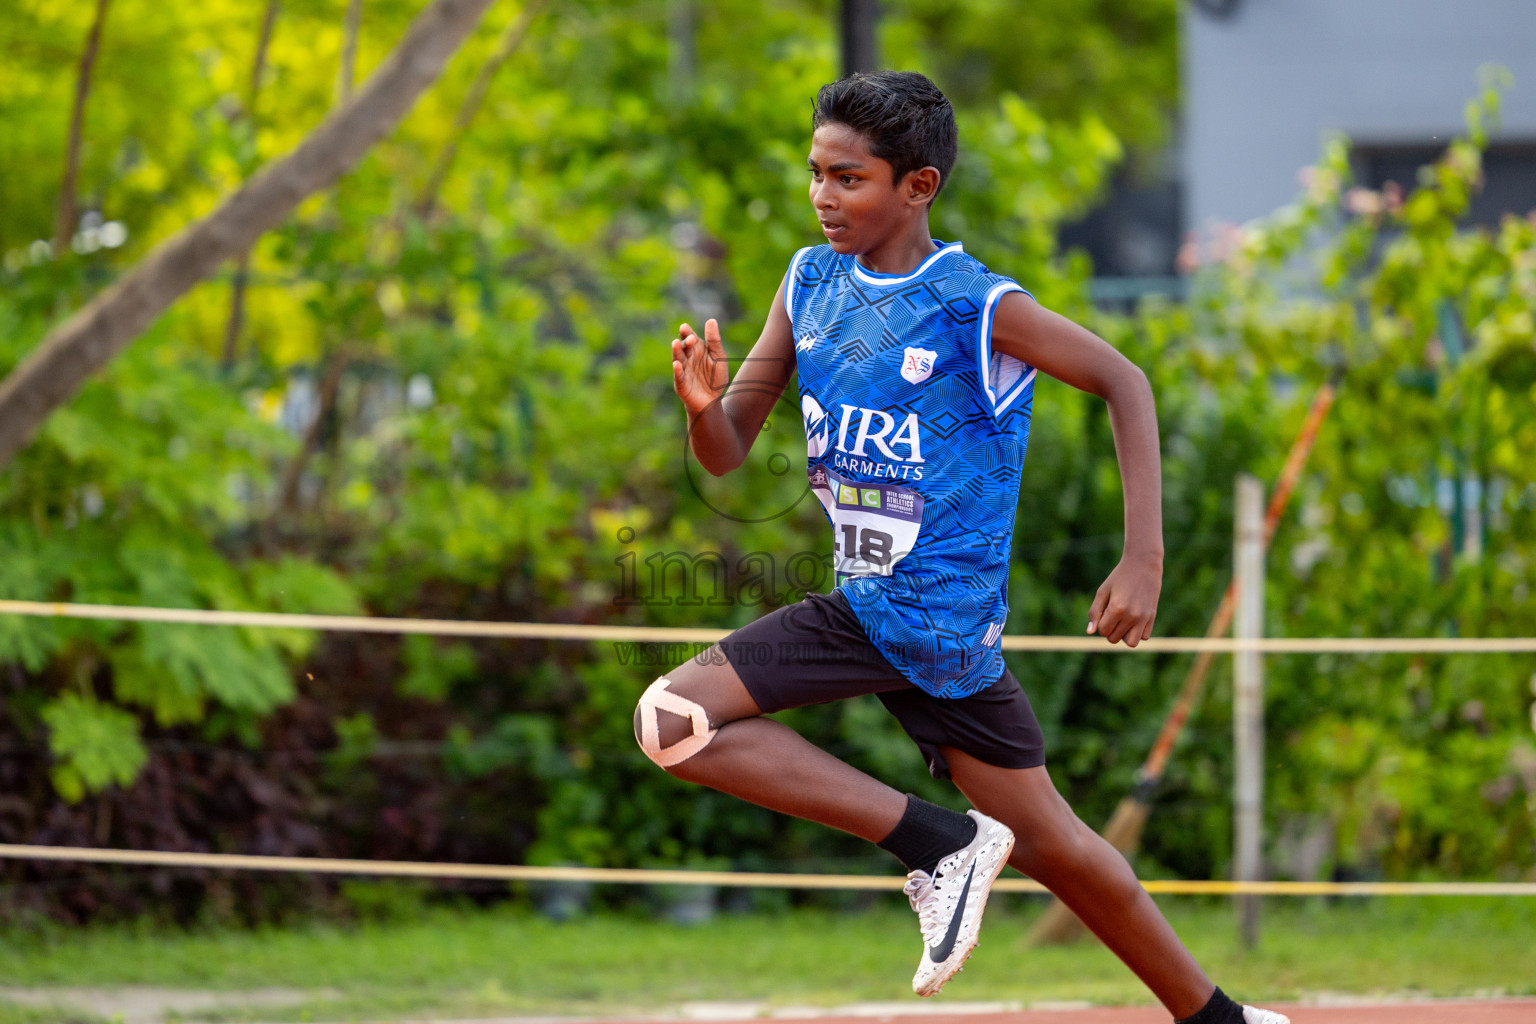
(1014, 376)
(870, 277)
(789, 286)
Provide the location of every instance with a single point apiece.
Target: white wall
(1264, 85)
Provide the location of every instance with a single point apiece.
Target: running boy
(916, 372)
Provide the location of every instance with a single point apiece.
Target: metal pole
(1248, 701)
(860, 49)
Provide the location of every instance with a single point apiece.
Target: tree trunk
(236, 319)
(330, 384)
(510, 40)
(243, 264)
(64, 216)
(84, 343)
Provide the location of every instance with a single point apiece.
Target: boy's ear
(920, 186)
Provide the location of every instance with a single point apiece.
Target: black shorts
(816, 652)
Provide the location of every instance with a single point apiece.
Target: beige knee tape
(659, 698)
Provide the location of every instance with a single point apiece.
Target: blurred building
(1265, 81)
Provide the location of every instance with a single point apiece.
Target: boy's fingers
(1112, 625)
(712, 331)
(1137, 629)
(1096, 610)
(1120, 623)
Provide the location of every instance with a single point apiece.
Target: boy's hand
(1126, 605)
(699, 370)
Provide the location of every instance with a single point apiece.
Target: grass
(509, 961)
(11, 1013)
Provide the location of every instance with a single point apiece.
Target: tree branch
(64, 218)
(84, 343)
(510, 40)
(259, 62)
(348, 66)
(243, 265)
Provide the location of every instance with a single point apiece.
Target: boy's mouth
(831, 230)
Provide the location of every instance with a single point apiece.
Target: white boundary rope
(660, 634)
(749, 879)
(656, 634)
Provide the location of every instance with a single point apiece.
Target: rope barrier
(664, 634)
(740, 879)
(631, 876)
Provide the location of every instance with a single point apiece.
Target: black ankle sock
(926, 834)
(1219, 1009)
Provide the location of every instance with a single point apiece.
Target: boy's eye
(849, 179)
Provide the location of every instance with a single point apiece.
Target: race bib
(874, 526)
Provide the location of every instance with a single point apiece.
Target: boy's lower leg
(704, 727)
(1087, 874)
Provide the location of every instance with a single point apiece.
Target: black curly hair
(903, 116)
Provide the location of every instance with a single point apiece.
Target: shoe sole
(938, 981)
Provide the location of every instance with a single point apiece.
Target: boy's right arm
(725, 415)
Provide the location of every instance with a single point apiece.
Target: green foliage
(1417, 511)
(1119, 57)
(94, 745)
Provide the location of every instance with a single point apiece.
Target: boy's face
(858, 202)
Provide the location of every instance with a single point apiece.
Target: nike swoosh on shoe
(938, 954)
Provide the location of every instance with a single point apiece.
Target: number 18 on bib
(874, 526)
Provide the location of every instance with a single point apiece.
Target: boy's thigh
(816, 652)
(996, 726)
(812, 652)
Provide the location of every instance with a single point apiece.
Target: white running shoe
(949, 903)
(1254, 1015)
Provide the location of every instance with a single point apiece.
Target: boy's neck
(903, 252)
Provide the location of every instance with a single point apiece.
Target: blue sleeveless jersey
(915, 431)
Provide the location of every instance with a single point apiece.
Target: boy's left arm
(1126, 604)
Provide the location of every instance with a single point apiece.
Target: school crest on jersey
(917, 364)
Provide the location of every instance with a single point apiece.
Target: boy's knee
(670, 728)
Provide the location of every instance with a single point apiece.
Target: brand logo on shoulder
(917, 364)
(807, 342)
